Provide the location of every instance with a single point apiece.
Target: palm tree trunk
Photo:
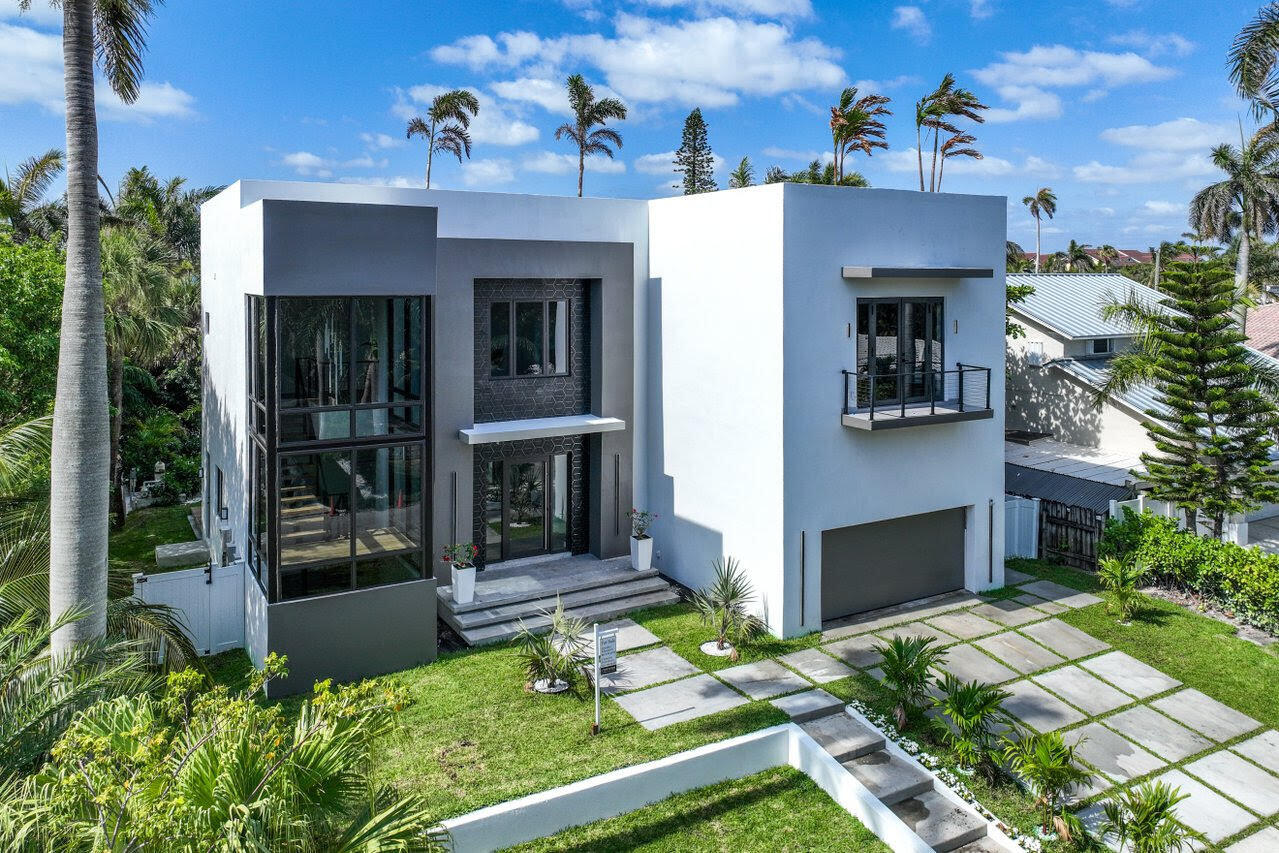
(116, 362)
(919, 155)
(581, 168)
(1241, 277)
(80, 470)
(940, 172)
(430, 151)
(1036, 244)
(933, 176)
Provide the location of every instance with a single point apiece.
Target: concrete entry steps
(591, 589)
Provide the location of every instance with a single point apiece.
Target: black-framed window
(901, 343)
(529, 338)
(527, 506)
(1103, 346)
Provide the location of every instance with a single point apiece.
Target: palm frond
(120, 32)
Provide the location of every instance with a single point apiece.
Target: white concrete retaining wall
(630, 788)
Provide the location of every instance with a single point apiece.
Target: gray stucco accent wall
(608, 268)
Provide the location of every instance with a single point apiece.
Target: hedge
(1245, 580)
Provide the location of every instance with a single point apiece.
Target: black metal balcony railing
(917, 391)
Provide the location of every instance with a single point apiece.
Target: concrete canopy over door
(868, 566)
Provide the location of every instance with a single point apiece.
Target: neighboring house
(1263, 329)
(806, 378)
(1123, 257)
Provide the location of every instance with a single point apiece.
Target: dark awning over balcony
(856, 272)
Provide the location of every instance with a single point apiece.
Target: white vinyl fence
(210, 600)
(1236, 529)
(1021, 526)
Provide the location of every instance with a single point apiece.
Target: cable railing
(963, 389)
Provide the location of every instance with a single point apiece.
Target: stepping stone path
(644, 668)
(1165, 738)
(1263, 749)
(1086, 692)
(1018, 652)
(1066, 640)
(1063, 595)
(965, 625)
(1242, 781)
(968, 663)
(1008, 613)
(630, 635)
(762, 679)
(1206, 715)
(918, 629)
(1038, 708)
(1130, 675)
(857, 651)
(809, 705)
(1118, 758)
(686, 699)
(1040, 604)
(817, 666)
(1266, 841)
(1204, 809)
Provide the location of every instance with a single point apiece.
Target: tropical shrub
(1120, 579)
(907, 662)
(213, 771)
(723, 606)
(1144, 820)
(1049, 769)
(557, 655)
(970, 712)
(1244, 580)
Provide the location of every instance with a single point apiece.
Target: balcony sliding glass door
(899, 350)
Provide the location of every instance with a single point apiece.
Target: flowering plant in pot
(461, 560)
(641, 542)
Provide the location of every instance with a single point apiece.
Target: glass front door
(526, 507)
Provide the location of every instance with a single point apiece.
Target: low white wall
(630, 788)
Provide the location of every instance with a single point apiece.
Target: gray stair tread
(888, 777)
(595, 612)
(571, 583)
(506, 612)
(843, 737)
(983, 845)
(941, 823)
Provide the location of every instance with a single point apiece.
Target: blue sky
(1113, 103)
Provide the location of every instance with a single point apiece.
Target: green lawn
(1202, 652)
(133, 546)
(780, 809)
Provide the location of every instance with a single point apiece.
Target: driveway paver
(1204, 809)
(1012, 577)
(1066, 640)
(1266, 841)
(630, 635)
(1018, 652)
(644, 668)
(1263, 749)
(688, 699)
(965, 624)
(1063, 595)
(968, 663)
(1040, 603)
(1008, 613)
(1117, 757)
(1038, 708)
(1129, 674)
(917, 629)
(1241, 780)
(808, 705)
(1157, 733)
(1086, 692)
(1205, 714)
(762, 679)
(857, 651)
(817, 666)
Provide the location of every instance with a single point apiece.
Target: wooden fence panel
(1069, 534)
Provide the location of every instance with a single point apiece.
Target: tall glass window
(899, 344)
(529, 338)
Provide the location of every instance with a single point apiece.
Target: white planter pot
(712, 648)
(463, 584)
(642, 553)
(544, 686)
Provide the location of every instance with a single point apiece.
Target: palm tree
(588, 113)
(724, 606)
(742, 176)
(906, 665)
(21, 194)
(115, 32)
(1042, 203)
(1107, 254)
(969, 714)
(1253, 58)
(1015, 259)
(933, 112)
(855, 126)
(1245, 203)
(1121, 579)
(1049, 769)
(446, 125)
(1077, 255)
(956, 145)
(1144, 820)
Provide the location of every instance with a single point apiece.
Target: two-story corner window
(528, 338)
(900, 349)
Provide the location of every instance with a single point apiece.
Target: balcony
(917, 397)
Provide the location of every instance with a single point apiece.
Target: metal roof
(1095, 371)
(1072, 491)
(1098, 464)
(1070, 303)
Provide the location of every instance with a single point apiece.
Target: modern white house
(808, 379)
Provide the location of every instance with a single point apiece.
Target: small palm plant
(1144, 820)
(970, 712)
(724, 607)
(1048, 767)
(1121, 580)
(907, 663)
(553, 660)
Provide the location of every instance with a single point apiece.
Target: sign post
(605, 663)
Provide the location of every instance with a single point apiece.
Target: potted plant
(1048, 767)
(641, 542)
(553, 659)
(906, 665)
(461, 560)
(722, 606)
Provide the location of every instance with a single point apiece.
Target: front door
(526, 507)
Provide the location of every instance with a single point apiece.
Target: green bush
(1245, 580)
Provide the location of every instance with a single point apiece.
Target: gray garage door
(868, 566)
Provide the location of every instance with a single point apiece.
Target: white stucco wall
(715, 399)
(837, 476)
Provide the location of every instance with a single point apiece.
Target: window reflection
(314, 352)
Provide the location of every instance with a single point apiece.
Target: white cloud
(1149, 167)
(656, 164)
(382, 141)
(799, 156)
(550, 95)
(1024, 78)
(793, 100)
(1182, 134)
(306, 163)
(707, 62)
(1102, 211)
(1163, 208)
(494, 124)
(1163, 44)
(552, 163)
(761, 8)
(912, 20)
(865, 86)
(906, 160)
(31, 73)
(489, 172)
(42, 13)
(398, 181)
(1172, 150)
(980, 9)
